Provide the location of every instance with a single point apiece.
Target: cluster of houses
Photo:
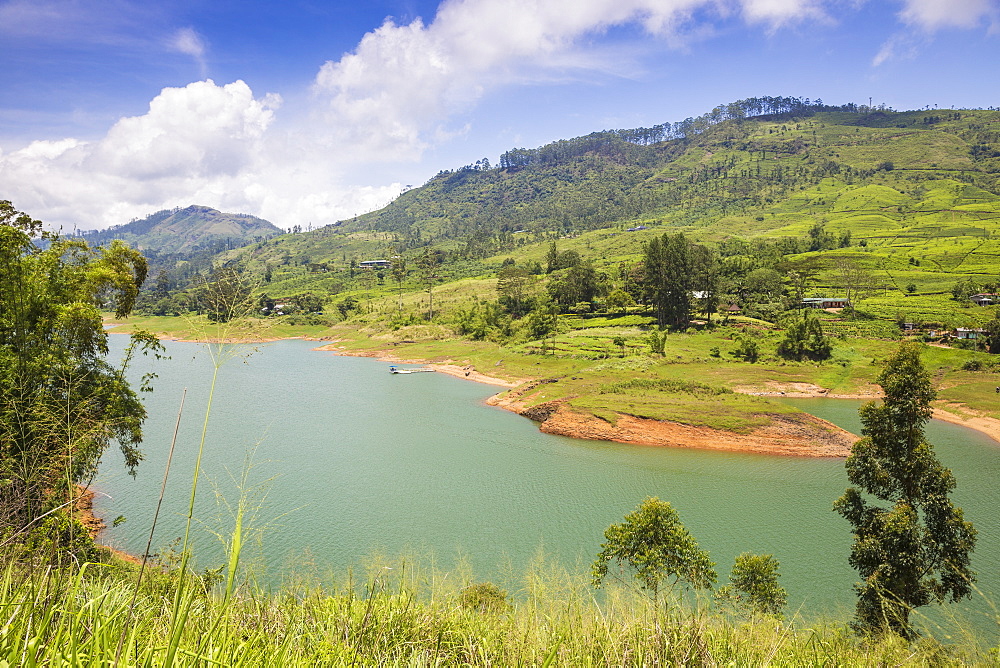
(966, 333)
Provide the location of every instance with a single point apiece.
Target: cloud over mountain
(405, 86)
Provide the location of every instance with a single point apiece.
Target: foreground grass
(403, 616)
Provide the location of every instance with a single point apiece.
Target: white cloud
(925, 17)
(402, 82)
(399, 91)
(777, 13)
(190, 43)
(932, 15)
(200, 144)
(200, 130)
(902, 46)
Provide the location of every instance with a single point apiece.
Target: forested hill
(703, 170)
(190, 230)
(759, 166)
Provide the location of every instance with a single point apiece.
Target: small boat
(394, 369)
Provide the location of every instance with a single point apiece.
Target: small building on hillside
(968, 333)
(375, 264)
(984, 299)
(825, 302)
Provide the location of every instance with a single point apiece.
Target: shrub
(484, 597)
(747, 348)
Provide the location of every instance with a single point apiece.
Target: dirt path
(963, 415)
(954, 413)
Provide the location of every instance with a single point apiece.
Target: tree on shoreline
(916, 550)
(61, 402)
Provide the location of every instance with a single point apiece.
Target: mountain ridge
(186, 230)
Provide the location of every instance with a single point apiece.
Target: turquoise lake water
(349, 461)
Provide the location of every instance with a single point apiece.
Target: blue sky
(309, 111)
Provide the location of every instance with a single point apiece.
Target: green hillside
(194, 228)
(914, 194)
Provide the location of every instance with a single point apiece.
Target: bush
(747, 348)
(484, 597)
(972, 365)
(804, 339)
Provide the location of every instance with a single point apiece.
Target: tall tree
(670, 278)
(428, 263)
(914, 550)
(399, 275)
(61, 402)
(513, 283)
(857, 281)
(579, 283)
(804, 339)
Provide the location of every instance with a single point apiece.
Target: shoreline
(955, 413)
(83, 510)
(466, 372)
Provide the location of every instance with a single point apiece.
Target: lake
(347, 462)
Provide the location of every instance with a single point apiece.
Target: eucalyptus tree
(673, 269)
(913, 548)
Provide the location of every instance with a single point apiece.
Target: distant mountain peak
(182, 230)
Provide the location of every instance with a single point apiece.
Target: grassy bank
(399, 614)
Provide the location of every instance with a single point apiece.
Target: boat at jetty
(393, 369)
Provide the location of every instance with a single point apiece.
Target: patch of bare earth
(466, 371)
(805, 391)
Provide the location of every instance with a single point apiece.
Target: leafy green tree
(914, 550)
(543, 321)
(965, 288)
(226, 295)
(61, 402)
(484, 597)
(580, 283)
(619, 300)
(552, 259)
(753, 585)
(657, 341)
(513, 284)
(306, 302)
(747, 348)
(804, 339)
(654, 544)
